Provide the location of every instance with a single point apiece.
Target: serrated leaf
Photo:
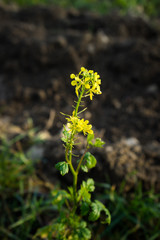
(95, 213)
(95, 142)
(90, 185)
(62, 167)
(108, 218)
(83, 194)
(89, 162)
(84, 208)
(97, 207)
(83, 232)
(86, 187)
(99, 143)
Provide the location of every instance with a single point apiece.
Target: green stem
(68, 156)
(78, 102)
(69, 161)
(74, 186)
(75, 173)
(80, 162)
(75, 177)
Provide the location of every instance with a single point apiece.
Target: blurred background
(41, 43)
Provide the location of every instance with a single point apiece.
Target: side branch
(80, 162)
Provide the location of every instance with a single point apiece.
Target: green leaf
(99, 143)
(97, 208)
(90, 137)
(90, 185)
(86, 187)
(62, 167)
(83, 232)
(94, 142)
(66, 135)
(108, 218)
(59, 197)
(89, 162)
(84, 168)
(83, 194)
(84, 208)
(70, 189)
(47, 232)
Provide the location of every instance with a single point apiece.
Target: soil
(40, 47)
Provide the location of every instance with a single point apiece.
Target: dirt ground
(40, 47)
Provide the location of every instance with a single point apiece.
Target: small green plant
(75, 205)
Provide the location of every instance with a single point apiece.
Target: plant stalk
(74, 173)
(80, 162)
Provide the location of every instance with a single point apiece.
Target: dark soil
(40, 47)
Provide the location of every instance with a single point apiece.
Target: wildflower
(79, 125)
(83, 69)
(73, 124)
(88, 80)
(72, 76)
(78, 83)
(86, 128)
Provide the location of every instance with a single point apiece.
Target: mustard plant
(75, 205)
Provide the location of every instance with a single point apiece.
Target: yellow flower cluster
(86, 80)
(79, 125)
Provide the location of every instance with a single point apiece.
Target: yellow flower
(83, 69)
(79, 125)
(77, 82)
(86, 128)
(72, 123)
(72, 76)
(89, 81)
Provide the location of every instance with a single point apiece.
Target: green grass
(135, 215)
(21, 203)
(23, 206)
(150, 8)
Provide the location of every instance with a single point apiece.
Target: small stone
(109, 149)
(131, 142)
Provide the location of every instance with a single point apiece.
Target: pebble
(131, 142)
